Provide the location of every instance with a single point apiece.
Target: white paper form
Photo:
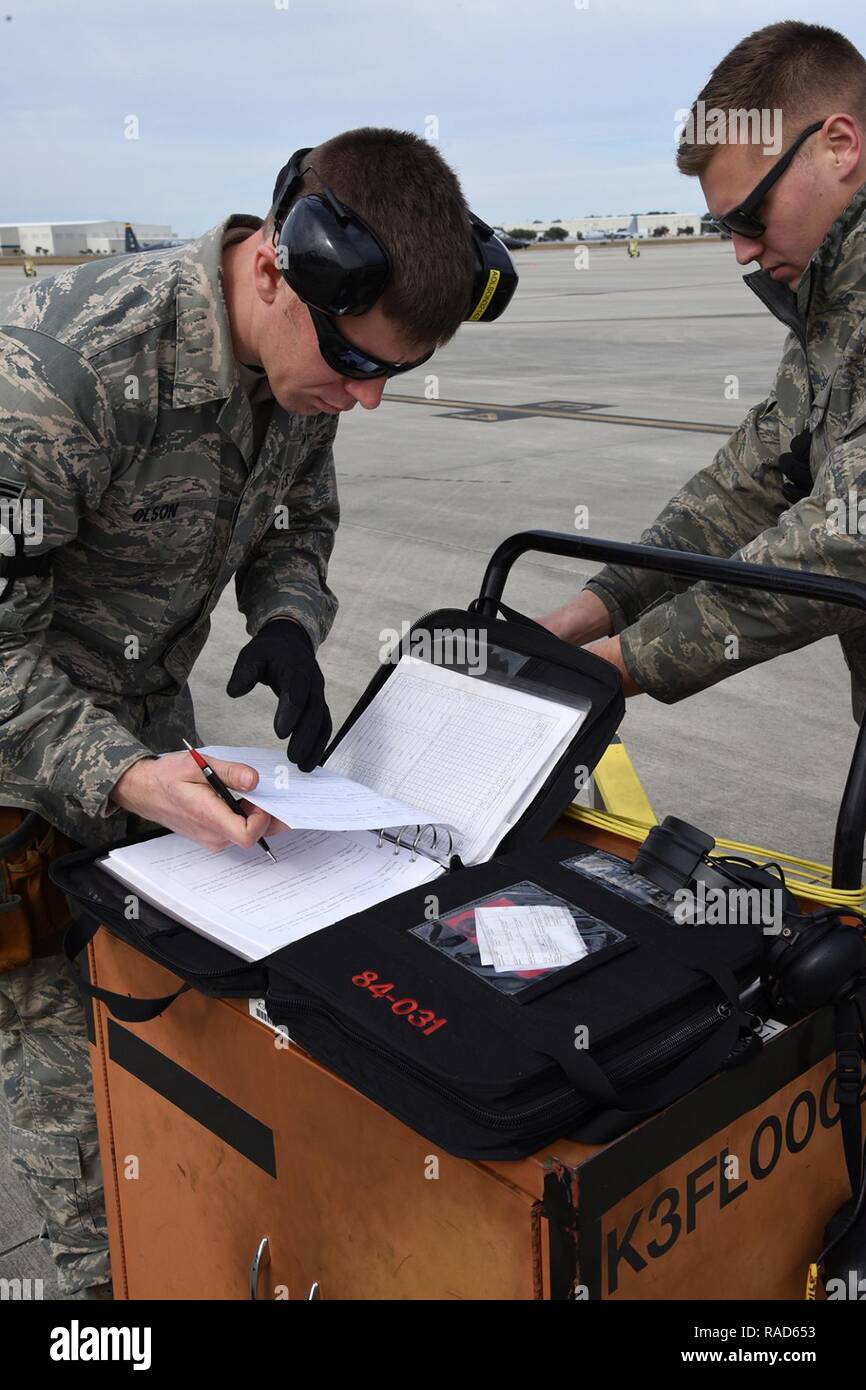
(317, 800)
(241, 900)
(535, 937)
(472, 752)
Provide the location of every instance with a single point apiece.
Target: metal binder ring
(421, 829)
(399, 841)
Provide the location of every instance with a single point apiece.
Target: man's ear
(266, 274)
(844, 142)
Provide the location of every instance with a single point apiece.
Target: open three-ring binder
(486, 725)
(467, 745)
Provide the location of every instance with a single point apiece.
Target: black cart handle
(851, 823)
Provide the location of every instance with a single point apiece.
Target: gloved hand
(282, 656)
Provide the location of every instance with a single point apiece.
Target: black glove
(282, 656)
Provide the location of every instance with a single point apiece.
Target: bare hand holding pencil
(222, 790)
(171, 790)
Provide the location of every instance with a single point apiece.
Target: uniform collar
(844, 238)
(834, 270)
(205, 367)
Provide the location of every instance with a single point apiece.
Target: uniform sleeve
(56, 746)
(721, 508)
(286, 577)
(710, 632)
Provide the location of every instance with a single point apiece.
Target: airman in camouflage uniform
(123, 415)
(172, 418)
(123, 374)
(785, 490)
(737, 507)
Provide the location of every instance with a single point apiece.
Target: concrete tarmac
(629, 368)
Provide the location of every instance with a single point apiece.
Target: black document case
(393, 1000)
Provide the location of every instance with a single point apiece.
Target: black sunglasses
(743, 219)
(343, 357)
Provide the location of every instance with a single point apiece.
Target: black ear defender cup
(818, 963)
(671, 852)
(495, 275)
(336, 262)
(327, 253)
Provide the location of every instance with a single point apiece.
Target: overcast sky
(545, 110)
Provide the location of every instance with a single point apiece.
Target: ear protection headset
(337, 263)
(821, 961)
(815, 960)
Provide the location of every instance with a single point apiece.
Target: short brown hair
(412, 199)
(803, 70)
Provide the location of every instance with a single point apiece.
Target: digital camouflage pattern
(736, 507)
(122, 413)
(53, 1143)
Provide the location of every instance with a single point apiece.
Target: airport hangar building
(103, 238)
(647, 222)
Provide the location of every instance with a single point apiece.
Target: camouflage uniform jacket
(121, 413)
(674, 637)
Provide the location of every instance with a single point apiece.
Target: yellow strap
(620, 787)
(805, 877)
(492, 281)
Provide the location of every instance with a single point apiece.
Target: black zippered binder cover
(502, 1075)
